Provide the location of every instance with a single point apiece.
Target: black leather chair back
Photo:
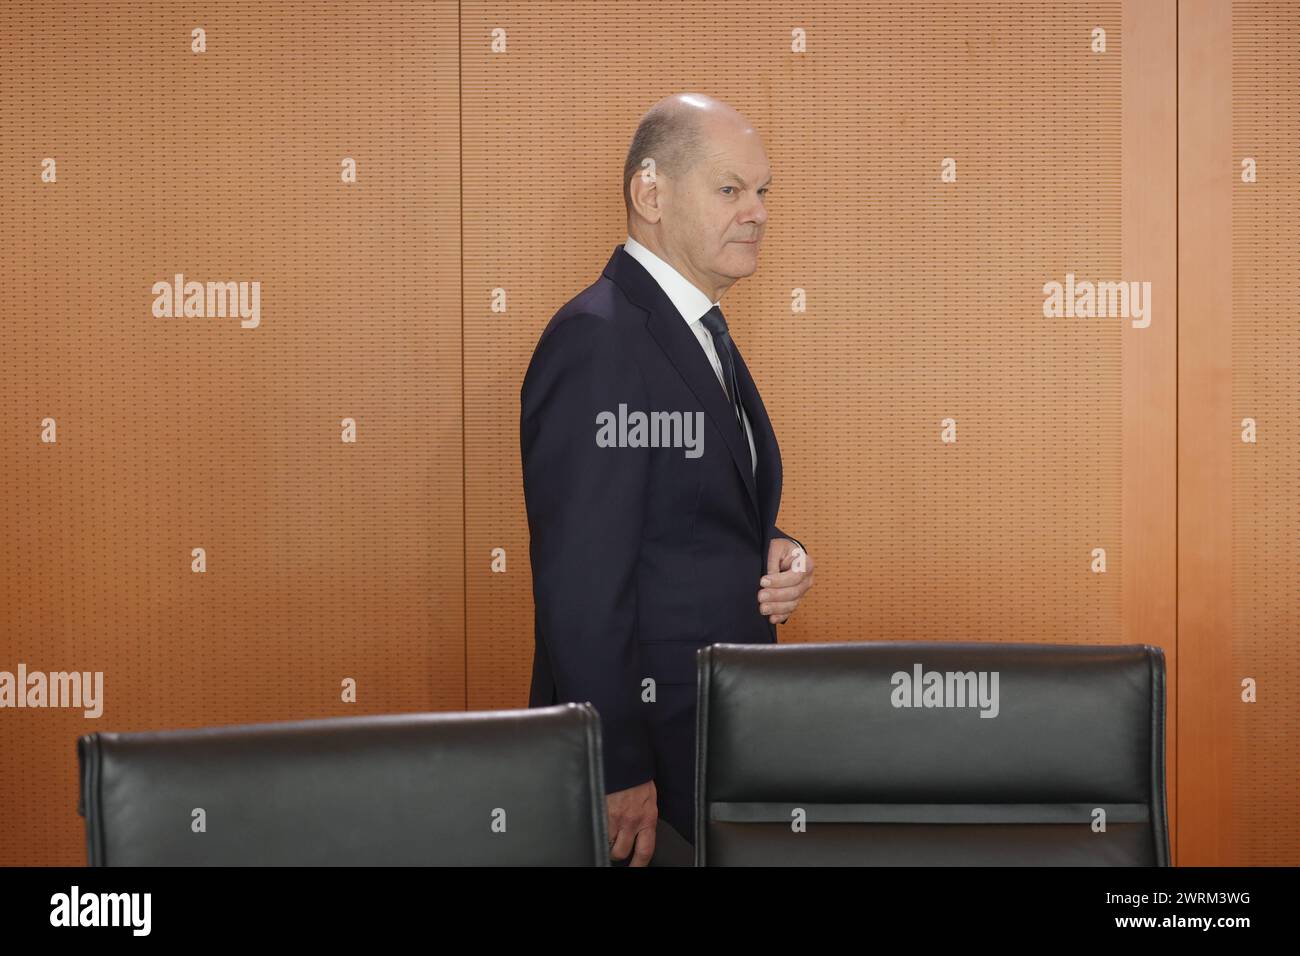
(832, 734)
(507, 787)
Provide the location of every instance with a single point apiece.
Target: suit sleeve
(585, 508)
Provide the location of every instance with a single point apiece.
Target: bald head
(700, 205)
(674, 133)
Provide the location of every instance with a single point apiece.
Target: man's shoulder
(601, 310)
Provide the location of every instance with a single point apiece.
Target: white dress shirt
(692, 304)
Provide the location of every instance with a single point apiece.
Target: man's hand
(789, 575)
(633, 817)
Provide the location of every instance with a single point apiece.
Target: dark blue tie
(717, 326)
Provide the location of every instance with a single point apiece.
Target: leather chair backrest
(1013, 754)
(507, 787)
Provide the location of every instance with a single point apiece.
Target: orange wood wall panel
(1265, 505)
(325, 559)
(1239, 359)
(1204, 430)
(1149, 377)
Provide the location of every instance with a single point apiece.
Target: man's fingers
(776, 592)
(780, 592)
(800, 557)
(774, 595)
(645, 846)
(790, 558)
(622, 846)
(781, 579)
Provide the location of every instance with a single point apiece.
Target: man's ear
(643, 189)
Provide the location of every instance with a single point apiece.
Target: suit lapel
(683, 349)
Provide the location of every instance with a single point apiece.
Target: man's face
(718, 212)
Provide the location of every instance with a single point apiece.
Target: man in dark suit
(652, 476)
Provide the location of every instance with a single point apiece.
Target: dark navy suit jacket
(640, 556)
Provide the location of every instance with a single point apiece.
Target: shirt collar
(685, 295)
